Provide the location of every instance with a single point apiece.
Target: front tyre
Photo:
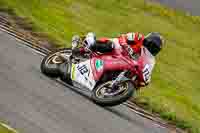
(49, 65)
(104, 95)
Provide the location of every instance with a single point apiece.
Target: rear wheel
(105, 95)
(50, 63)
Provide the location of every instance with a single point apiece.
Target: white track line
(9, 128)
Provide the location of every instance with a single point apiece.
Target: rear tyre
(50, 63)
(103, 94)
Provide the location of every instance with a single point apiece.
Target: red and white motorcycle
(111, 77)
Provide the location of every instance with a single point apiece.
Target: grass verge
(175, 90)
(4, 129)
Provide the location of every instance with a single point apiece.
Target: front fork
(122, 77)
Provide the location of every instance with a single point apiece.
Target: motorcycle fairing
(82, 74)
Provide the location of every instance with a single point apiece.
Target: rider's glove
(75, 41)
(131, 52)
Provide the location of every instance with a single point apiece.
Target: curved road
(34, 103)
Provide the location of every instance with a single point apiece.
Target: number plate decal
(83, 69)
(82, 73)
(147, 73)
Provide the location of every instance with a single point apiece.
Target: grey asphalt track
(34, 103)
(190, 6)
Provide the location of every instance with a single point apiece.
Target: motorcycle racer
(153, 42)
(112, 69)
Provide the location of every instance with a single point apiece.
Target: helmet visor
(153, 48)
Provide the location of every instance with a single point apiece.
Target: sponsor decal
(99, 65)
(73, 72)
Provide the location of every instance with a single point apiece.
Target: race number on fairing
(82, 73)
(147, 73)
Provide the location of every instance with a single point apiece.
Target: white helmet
(90, 39)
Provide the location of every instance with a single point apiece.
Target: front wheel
(104, 95)
(49, 65)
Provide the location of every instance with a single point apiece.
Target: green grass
(175, 89)
(5, 130)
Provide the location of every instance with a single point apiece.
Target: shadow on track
(115, 109)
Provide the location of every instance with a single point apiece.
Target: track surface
(34, 103)
(191, 6)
